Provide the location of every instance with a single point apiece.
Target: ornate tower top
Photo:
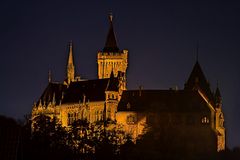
(110, 17)
(70, 54)
(111, 60)
(70, 65)
(111, 42)
(218, 98)
(198, 81)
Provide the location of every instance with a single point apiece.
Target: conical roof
(218, 97)
(113, 83)
(70, 54)
(111, 43)
(197, 80)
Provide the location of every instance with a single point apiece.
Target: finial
(70, 58)
(110, 17)
(70, 43)
(197, 51)
(49, 76)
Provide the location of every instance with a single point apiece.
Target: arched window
(96, 116)
(71, 118)
(131, 119)
(205, 120)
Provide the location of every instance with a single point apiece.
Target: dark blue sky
(161, 37)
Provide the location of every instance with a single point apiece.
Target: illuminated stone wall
(133, 123)
(108, 62)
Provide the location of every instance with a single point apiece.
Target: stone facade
(193, 114)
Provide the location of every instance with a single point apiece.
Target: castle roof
(53, 92)
(218, 97)
(198, 81)
(111, 42)
(113, 83)
(92, 90)
(161, 100)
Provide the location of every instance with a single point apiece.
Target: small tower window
(131, 119)
(205, 120)
(71, 118)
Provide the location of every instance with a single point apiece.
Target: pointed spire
(110, 17)
(111, 43)
(54, 99)
(113, 83)
(112, 74)
(198, 81)
(49, 76)
(218, 97)
(196, 77)
(70, 65)
(70, 54)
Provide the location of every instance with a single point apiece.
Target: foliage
(81, 140)
(85, 141)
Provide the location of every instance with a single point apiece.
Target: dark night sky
(161, 38)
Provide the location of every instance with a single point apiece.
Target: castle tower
(111, 97)
(219, 121)
(70, 66)
(197, 81)
(111, 58)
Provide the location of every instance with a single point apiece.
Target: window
(131, 119)
(71, 118)
(205, 120)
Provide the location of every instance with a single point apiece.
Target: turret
(197, 81)
(112, 95)
(219, 116)
(111, 42)
(111, 58)
(218, 98)
(70, 65)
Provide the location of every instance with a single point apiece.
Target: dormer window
(205, 120)
(131, 119)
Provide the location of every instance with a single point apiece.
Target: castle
(192, 116)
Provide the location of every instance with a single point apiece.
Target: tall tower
(111, 58)
(70, 65)
(219, 116)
